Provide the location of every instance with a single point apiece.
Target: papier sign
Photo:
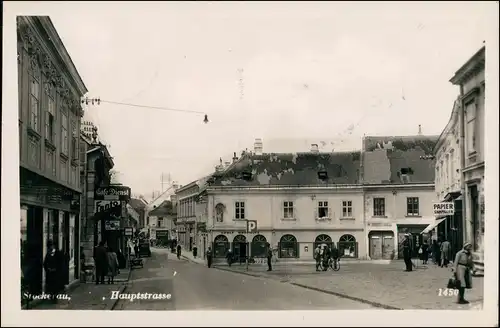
(112, 193)
(445, 208)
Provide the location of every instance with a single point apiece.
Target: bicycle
(332, 264)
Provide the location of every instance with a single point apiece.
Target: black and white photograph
(240, 158)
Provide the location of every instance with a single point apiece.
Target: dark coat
(463, 266)
(101, 257)
(53, 266)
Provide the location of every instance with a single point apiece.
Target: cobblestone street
(383, 284)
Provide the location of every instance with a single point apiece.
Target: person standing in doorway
(269, 258)
(209, 257)
(53, 271)
(407, 253)
(101, 263)
(445, 253)
(463, 266)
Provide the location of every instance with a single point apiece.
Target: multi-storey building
(398, 192)
(298, 201)
(50, 111)
(448, 180)
(471, 80)
(156, 202)
(192, 215)
(162, 222)
(139, 205)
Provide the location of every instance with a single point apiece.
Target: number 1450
(447, 292)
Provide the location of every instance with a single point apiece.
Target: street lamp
(205, 120)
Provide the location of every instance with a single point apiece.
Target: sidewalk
(89, 296)
(189, 256)
(386, 286)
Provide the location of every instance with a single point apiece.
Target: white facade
(448, 157)
(334, 213)
(471, 80)
(166, 195)
(389, 215)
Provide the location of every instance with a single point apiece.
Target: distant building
(398, 192)
(162, 222)
(139, 205)
(166, 195)
(471, 80)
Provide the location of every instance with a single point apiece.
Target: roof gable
(290, 169)
(165, 208)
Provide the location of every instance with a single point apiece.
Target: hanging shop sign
(112, 193)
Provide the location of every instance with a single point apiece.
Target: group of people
(439, 251)
(106, 263)
(323, 254)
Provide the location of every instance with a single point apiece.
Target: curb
(376, 304)
(122, 289)
(242, 272)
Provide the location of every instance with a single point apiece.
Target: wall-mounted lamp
(313, 197)
(394, 192)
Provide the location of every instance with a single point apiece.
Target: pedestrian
(424, 252)
(445, 253)
(101, 263)
(436, 253)
(463, 267)
(229, 257)
(209, 257)
(112, 265)
(317, 256)
(32, 265)
(269, 258)
(179, 250)
(407, 253)
(326, 257)
(53, 271)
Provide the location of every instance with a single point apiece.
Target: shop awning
(432, 225)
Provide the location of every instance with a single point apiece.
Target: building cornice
(43, 54)
(474, 65)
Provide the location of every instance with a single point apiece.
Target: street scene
(315, 164)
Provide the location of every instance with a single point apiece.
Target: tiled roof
(384, 157)
(290, 169)
(136, 204)
(165, 208)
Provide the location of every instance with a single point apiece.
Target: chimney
(258, 146)
(314, 148)
(419, 130)
(235, 158)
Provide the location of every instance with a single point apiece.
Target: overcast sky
(311, 71)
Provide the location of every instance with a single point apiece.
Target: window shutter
(330, 213)
(294, 209)
(316, 213)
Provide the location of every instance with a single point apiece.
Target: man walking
(209, 256)
(317, 257)
(53, 271)
(407, 253)
(101, 263)
(269, 258)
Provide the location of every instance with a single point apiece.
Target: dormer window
(322, 175)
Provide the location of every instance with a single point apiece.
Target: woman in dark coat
(424, 256)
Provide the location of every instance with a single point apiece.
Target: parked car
(144, 249)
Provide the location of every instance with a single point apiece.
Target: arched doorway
(348, 247)
(381, 245)
(240, 248)
(221, 246)
(323, 240)
(288, 247)
(259, 246)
